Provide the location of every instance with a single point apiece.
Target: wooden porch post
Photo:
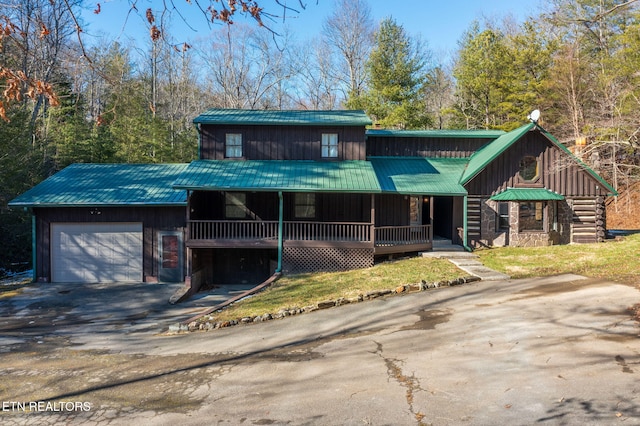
(373, 220)
(431, 216)
(187, 234)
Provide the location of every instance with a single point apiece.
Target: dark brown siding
(390, 146)
(153, 219)
(329, 207)
(557, 171)
(282, 142)
(392, 210)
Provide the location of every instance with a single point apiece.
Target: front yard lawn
(308, 289)
(615, 260)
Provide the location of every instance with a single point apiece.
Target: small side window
(329, 145)
(502, 219)
(233, 145)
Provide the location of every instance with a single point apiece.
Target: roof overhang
(279, 175)
(427, 176)
(107, 185)
(527, 194)
(332, 118)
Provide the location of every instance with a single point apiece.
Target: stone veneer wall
(492, 238)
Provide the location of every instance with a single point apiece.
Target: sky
(441, 23)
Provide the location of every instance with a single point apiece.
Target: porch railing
(232, 230)
(327, 231)
(403, 235)
(309, 231)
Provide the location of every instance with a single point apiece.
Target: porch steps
(443, 249)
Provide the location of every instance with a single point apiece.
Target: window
(235, 205)
(415, 210)
(305, 206)
(531, 215)
(233, 145)
(529, 168)
(554, 215)
(502, 219)
(329, 145)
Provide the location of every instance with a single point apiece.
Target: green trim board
(287, 118)
(107, 185)
(445, 134)
(482, 158)
(279, 175)
(415, 175)
(527, 194)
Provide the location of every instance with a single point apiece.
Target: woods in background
(68, 97)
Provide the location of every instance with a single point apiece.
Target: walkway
(468, 262)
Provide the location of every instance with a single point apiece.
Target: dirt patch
(620, 210)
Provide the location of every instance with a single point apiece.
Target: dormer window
(529, 168)
(233, 145)
(329, 145)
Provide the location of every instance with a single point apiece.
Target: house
(300, 191)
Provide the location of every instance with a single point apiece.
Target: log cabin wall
(282, 142)
(153, 219)
(394, 146)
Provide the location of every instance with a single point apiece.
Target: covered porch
(265, 234)
(313, 215)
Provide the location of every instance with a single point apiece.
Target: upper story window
(233, 145)
(528, 168)
(329, 145)
(305, 205)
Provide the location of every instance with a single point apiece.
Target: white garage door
(96, 252)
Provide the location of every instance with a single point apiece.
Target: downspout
(199, 131)
(280, 230)
(33, 246)
(465, 231)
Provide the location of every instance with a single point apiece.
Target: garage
(96, 252)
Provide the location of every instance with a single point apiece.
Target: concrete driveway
(557, 350)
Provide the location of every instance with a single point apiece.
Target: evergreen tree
(479, 72)
(395, 72)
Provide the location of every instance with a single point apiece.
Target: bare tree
(247, 74)
(349, 30)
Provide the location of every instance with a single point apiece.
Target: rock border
(208, 322)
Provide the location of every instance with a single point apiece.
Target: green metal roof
(527, 194)
(413, 175)
(454, 134)
(279, 175)
(107, 185)
(290, 118)
(481, 158)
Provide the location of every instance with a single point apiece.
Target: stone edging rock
(208, 322)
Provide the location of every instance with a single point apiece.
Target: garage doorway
(96, 252)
